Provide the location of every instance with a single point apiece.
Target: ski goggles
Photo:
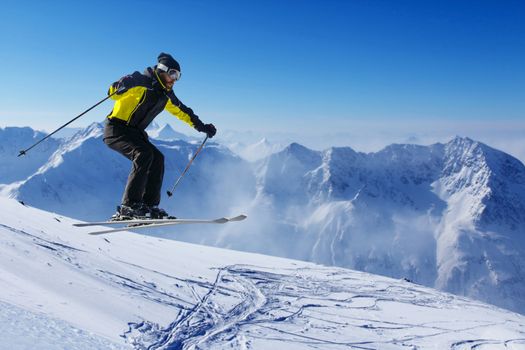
(173, 73)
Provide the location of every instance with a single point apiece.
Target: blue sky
(276, 65)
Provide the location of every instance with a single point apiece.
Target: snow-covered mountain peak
(345, 172)
(336, 154)
(166, 133)
(462, 151)
(24, 132)
(296, 147)
(255, 151)
(492, 180)
(166, 128)
(480, 235)
(153, 126)
(263, 141)
(409, 154)
(92, 130)
(299, 153)
(335, 177)
(284, 173)
(14, 139)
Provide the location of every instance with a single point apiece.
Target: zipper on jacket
(137, 106)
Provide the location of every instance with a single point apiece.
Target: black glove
(124, 84)
(209, 129)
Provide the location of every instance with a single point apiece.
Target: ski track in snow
(248, 302)
(254, 307)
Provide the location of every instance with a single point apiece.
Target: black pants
(147, 172)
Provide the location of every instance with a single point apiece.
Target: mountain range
(449, 216)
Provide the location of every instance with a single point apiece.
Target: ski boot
(132, 211)
(158, 213)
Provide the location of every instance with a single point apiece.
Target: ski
(157, 221)
(153, 223)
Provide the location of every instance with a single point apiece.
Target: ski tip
(239, 218)
(225, 220)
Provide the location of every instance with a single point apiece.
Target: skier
(139, 98)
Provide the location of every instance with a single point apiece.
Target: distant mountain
(15, 139)
(166, 133)
(153, 126)
(255, 151)
(480, 237)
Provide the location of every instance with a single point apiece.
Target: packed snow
(64, 289)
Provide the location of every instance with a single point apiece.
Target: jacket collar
(156, 82)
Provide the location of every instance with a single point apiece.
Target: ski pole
(170, 193)
(23, 152)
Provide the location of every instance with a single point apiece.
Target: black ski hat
(168, 61)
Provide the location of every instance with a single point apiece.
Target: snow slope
(64, 289)
(23, 329)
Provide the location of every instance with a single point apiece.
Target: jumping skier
(139, 98)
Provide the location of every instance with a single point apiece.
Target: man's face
(167, 80)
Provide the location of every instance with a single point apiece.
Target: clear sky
(280, 65)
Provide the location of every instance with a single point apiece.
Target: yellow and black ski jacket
(146, 98)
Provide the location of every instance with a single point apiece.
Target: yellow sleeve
(179, 113)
